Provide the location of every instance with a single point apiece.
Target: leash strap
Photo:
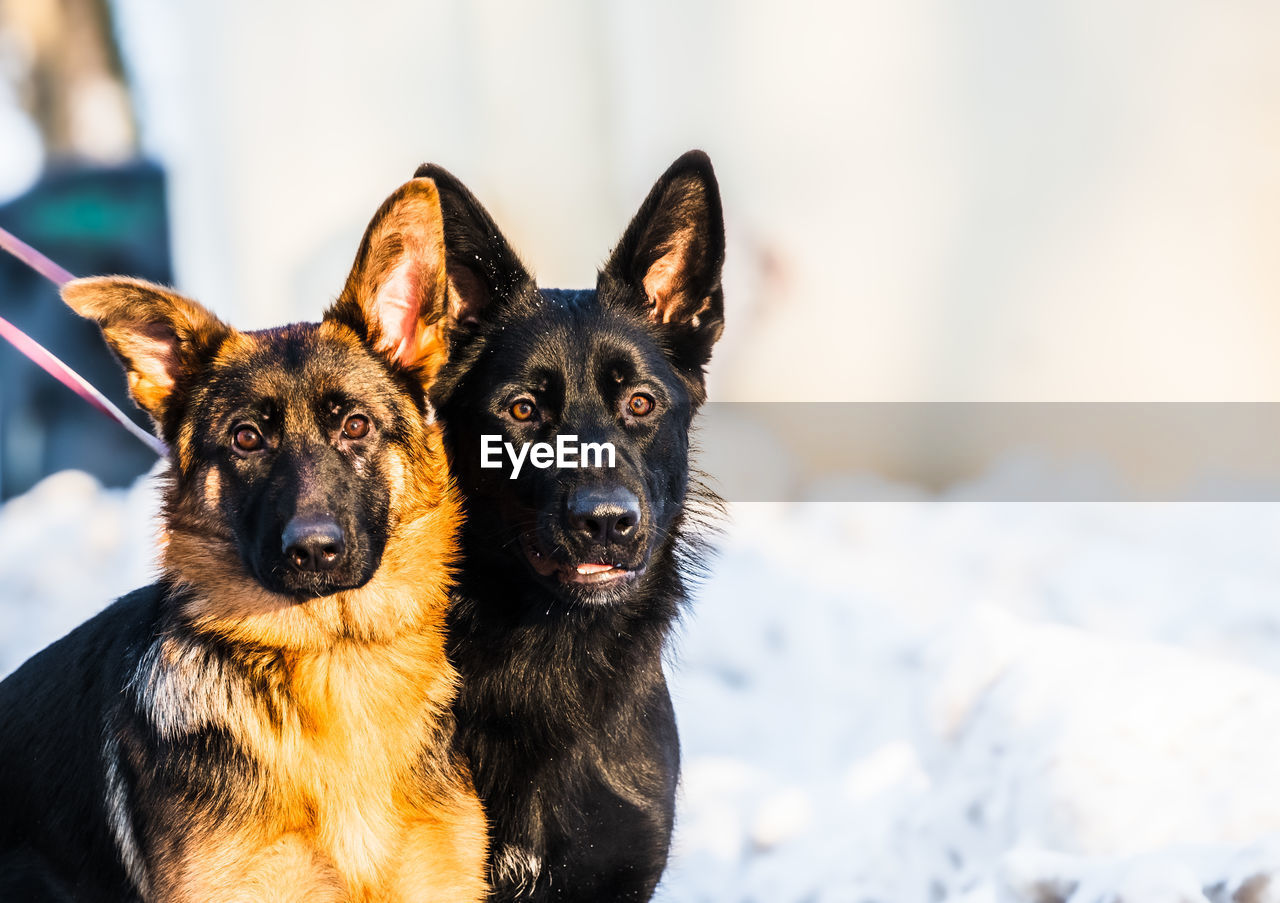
(34, 259)
(49, 363)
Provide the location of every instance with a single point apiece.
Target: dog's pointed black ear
(484, 272)
(396, 293)
(669, 260)
(162, 338)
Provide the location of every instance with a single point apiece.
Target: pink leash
(50, 364)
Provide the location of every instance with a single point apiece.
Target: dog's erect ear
(396, 291)
(162, 338)
(483, 270)
(670, 257)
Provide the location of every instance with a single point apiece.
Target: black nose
(603, 514)
(313, 542)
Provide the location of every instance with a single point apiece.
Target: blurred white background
(992, 201)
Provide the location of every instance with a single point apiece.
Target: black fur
(564, 712)
(54, 840)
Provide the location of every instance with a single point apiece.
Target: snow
(910, 700)
(67, 548)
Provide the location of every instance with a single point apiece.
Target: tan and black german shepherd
(270, 721)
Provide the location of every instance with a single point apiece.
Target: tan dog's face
(299, 452)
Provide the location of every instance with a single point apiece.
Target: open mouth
(587, 573)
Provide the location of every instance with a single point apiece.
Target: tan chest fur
(357, 798)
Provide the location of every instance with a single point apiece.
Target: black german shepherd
(271, 720)
(573, 577)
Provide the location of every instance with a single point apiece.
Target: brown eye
(356, 427)
(640, 405)
(523, 410)
(247, 439)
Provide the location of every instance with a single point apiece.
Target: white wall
(998, 200)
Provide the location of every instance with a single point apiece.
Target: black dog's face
(612, 376)
(581, 377)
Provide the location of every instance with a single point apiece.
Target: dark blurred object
(91, 221)
(71, 78)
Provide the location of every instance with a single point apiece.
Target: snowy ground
(911, 700)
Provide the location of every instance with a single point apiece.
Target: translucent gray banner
(1072, 452)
